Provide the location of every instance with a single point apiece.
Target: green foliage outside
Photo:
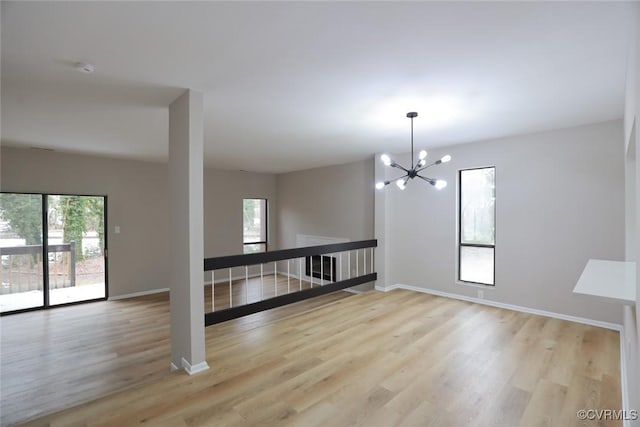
(24, 214)
(75, 215)
(248, 213)
(95, 216)
(74, 222)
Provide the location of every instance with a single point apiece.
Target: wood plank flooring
(374, 359)
(53, 359)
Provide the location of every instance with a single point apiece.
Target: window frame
(266, 226)
(461, 244)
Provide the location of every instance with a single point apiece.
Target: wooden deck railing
(19, 271)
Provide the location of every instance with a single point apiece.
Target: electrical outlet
(480, 294)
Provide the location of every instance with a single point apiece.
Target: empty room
(319, 213)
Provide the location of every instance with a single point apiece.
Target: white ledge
(612, 281)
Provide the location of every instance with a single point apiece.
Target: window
(477, 226)
(254, 212)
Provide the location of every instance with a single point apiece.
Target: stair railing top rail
(284, 254)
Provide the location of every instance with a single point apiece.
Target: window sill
(475, 285)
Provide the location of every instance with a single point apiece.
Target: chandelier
(415, 169)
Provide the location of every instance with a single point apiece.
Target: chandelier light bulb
(440, 184)
(379, 185)
(401, 184)
(446, 159)
(422, 155)
(422, 162)
(386, 159)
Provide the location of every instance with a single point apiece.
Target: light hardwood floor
(373, 359)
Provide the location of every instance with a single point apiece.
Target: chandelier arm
(429, 180)
(395, 165)
(428, 166)
(399, 178)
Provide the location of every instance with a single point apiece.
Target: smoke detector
(85, 68)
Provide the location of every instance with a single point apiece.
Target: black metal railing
(349, 264)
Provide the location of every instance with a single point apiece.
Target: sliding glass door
(21, 274)
(75, 248)
(69, 233)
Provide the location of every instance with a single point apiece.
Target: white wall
(560, 201)
(138, 202)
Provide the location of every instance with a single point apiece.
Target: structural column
(186, 231)
(380, 224)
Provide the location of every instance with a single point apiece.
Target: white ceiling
(290, 86)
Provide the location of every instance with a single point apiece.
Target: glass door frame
(45, 252)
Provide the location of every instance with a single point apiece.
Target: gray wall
(137, 196)
(334, 201)
(559, 202)
(223, 194)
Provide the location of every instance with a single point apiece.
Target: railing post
(72, 251)
(56, 270)
(261, 282)
(213, 290)
(364, 259)
(371, 250)
(331, 268)
(288, 277)
(246, 284)
(12, 284)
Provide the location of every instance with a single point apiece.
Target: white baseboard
(624, 385)
(194, 369)
(188, 368)
(583, 320)
(138, 294)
